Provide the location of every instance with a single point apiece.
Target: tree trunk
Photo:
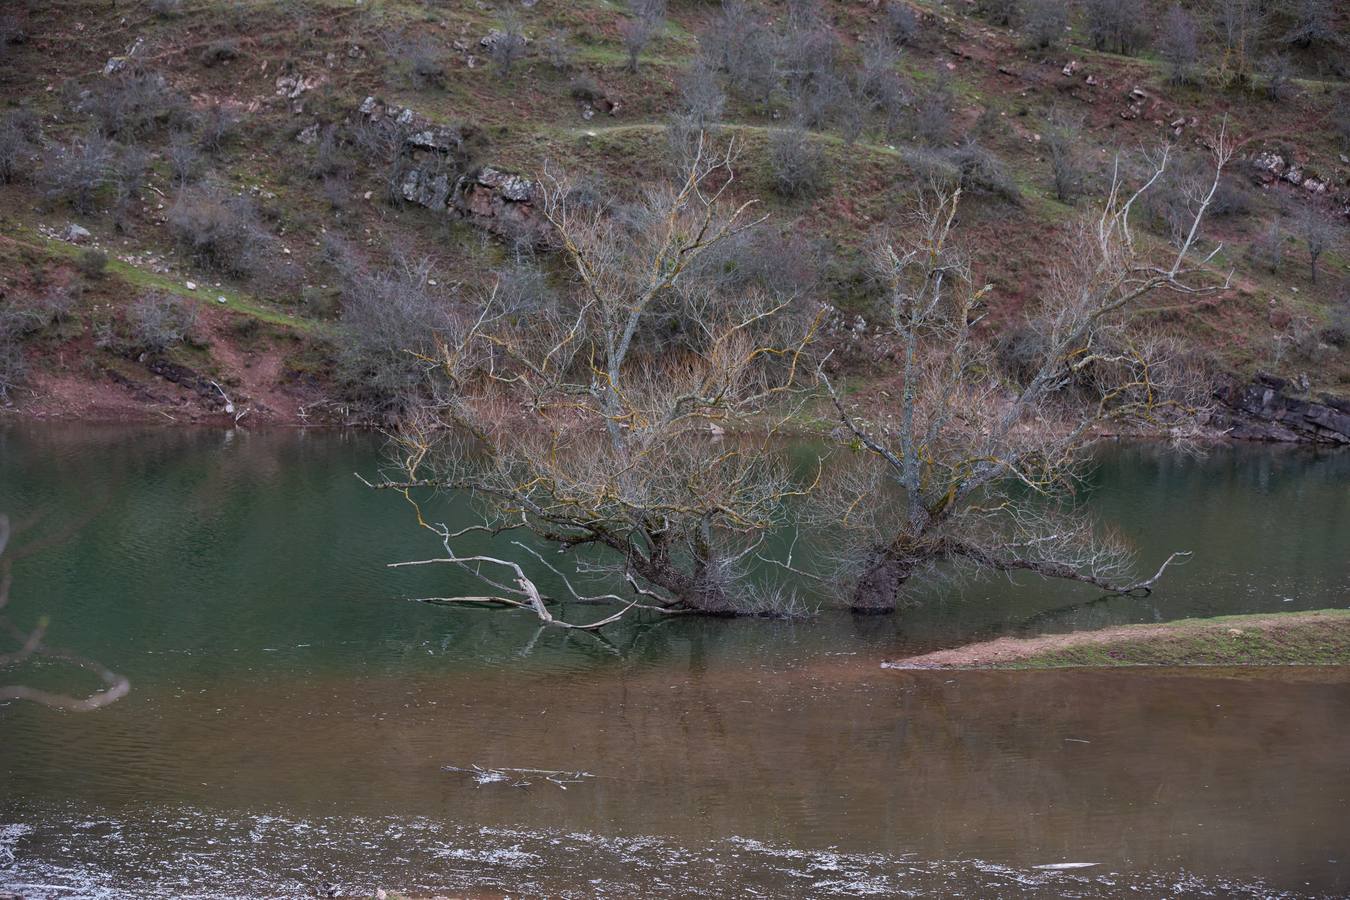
(878, 590)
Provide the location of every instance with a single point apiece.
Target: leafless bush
(1044, 21)
(128, 181)
(557, 50)
(166, 9)
(646, 18)
(93, 264)
(159, 321)
(741, 44)
(1117, 26)
(389, 318)
(1267, 249)
(1312, 24)
(13, 364)
(1278, 73)
(418, 58)
(999, 12)
(1179, 45)
(1340, 118)
(19, 134)
(902, 25)
(218, 52)
(932, 115)
(218, 126)
(219, 231)
(1067, 169)
(183, 158)
(135, 103)
(798, 163)
(982, 171)
(701, 95)
(76, 174)
(879, 79)
(383, 142)
(330, 159)
(509, 44)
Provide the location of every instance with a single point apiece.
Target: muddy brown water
(292, 716)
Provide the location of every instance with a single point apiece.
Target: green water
(292, 711)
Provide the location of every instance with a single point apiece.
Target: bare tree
(646, 19)
(19, 132)
(1317, 233)
(701, 94)
(1277, 70)
(77, 174)
(1044, 22)
(509, 44)
(1179, 45)
(596, 429)
(974, 471)
(798, 163)
(32, 645)
(1117, 26)
(741, 44)
(1067, 169)
(1241, 25)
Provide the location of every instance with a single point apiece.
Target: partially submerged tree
(976, 469)
(596, 426)
(31, 645)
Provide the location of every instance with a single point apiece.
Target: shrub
(135, 103)
(1044, 22)
(1278, 73)
(387, 316)
(218, 231)
(93, 264)
(585, 88)
(1021, 352)
(902, 25)
(798, 163)
(77, 174)
(1117, 26)
(183, 158)
(558, 50)
(1066, 165)
(509, 46)
(1340, 118)
(217, 128)
(160, 321)
(218, 52)
(1267, 249)
(741, 44)
(982, 171)
(999, 12)
(13, 366)
(701, 94)
(18, 131)
(932, 116)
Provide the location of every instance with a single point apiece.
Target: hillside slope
(190, 183)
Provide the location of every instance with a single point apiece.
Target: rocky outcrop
(1263, 410)
(443, 175)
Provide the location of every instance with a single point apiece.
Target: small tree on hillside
(646, 19)
(1117, 26)
(1179, 45)
(977, 471)
(1317, 233)
(589, 426)
(1044, 22)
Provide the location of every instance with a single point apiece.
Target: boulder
(75, 234)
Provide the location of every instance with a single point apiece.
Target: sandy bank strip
(1267, 639)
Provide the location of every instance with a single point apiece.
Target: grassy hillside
(220, 144)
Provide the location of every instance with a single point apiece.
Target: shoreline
(1314, 638)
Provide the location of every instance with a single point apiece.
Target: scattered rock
(309, 135)
(190, 285)
(75, 234)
